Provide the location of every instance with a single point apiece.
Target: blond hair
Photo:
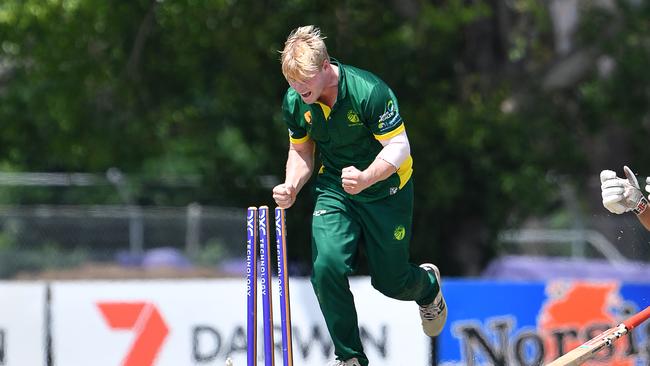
(303, 54)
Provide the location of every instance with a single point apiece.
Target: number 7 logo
(147, 324)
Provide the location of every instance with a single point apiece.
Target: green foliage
(211, 254)
(619, 97)
(193, 88)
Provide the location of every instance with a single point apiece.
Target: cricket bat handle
(636, 319)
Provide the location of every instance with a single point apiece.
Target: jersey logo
(308, 117)
(353, 117)
(390, 117)
(399, 232)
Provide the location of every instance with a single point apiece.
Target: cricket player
(363, 190)
(623, 195)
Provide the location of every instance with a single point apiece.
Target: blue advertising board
(532, 323)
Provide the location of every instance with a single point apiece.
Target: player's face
(310, 89)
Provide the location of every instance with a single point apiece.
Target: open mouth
(306, 95)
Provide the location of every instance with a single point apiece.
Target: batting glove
(634, 198)
(622, 195)
(612, 189)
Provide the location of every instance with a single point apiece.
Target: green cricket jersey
(348, 134)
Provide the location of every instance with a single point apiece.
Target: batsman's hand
(621, 195)
(354, 180)
(284, 195)
(634, 198)
(612, 189)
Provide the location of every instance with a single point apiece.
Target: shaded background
(136, 126)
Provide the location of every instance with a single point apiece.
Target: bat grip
(636, 319)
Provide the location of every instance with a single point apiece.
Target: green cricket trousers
(383, 227)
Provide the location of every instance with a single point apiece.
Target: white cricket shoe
(350, 362)
(434, 315)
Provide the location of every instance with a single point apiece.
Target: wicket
(257, 224)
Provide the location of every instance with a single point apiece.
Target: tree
(193, 87)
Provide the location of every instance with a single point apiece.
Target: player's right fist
(284, 195)
(613, 191)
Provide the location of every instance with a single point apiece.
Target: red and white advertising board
(202, 322)
(22, 324)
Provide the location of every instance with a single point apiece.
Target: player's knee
(327, 268)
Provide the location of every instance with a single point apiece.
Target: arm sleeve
(396, 149)
(291, 116)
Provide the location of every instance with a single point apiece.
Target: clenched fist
(284, 195)
(354, 180)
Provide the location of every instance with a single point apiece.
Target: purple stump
(283, 279)
(267, 303)
(251, 285)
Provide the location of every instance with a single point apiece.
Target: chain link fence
(38, 237)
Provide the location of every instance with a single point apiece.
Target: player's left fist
(353, 180)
